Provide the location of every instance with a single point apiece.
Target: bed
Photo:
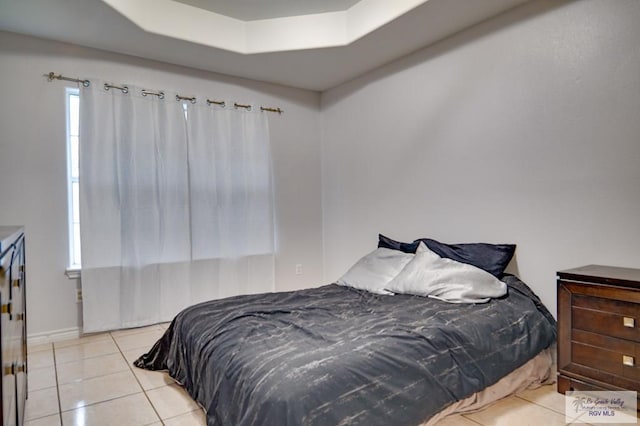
(337, 354)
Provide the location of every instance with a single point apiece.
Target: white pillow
(375, 270)
(428, 274)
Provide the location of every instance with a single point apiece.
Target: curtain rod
(160, 94)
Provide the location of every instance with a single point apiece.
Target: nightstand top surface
(603, 274)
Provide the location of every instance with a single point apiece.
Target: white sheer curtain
(173, 210)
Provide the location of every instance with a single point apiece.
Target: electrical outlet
(299, 269)
(78, 295)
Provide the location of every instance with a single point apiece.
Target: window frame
(73, 248)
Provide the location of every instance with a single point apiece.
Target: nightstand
(599, 329)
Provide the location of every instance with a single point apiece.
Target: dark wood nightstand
(599, 329)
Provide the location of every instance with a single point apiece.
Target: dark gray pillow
(492, 258)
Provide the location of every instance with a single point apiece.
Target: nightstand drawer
(601, 316)
(604, 353)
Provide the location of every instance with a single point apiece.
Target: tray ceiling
(314, 51)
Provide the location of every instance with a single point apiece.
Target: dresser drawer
(605, 316)
(603, 353)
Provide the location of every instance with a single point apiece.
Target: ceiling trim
(252, 10)
(189, 23)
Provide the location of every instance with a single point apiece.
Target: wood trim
(564, 325)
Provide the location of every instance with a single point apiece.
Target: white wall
(33, 162)
(524, 129)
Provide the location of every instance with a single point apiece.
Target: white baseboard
(53, 336)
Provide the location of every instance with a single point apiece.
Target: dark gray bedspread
(334, 355)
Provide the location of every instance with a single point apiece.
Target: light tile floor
(91, 381)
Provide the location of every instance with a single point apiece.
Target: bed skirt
(538, 371)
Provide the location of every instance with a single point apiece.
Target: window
(73, 183)
(73, 176)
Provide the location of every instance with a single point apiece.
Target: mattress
(337, 355)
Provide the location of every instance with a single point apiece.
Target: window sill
(73, 273)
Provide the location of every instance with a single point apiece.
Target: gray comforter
(335, 355)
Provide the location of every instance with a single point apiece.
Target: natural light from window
(73, 176)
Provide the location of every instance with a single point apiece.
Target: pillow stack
(492, 258)
(456, 273)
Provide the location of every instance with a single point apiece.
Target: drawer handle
(14, 368)
(16, 283)
(20, 317)
(6, 308)
(628, 322)
(627, 360)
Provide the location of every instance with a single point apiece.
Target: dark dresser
(13, 328)
(599, 329)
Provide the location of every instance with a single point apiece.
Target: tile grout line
(539, 405)
(144, 391)
(47, 367)
(108, 337)
(83, 359)
(55, 370)
(90, 357)
(470, 419)
(131, 367)
(550, 409)
(103, 375)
